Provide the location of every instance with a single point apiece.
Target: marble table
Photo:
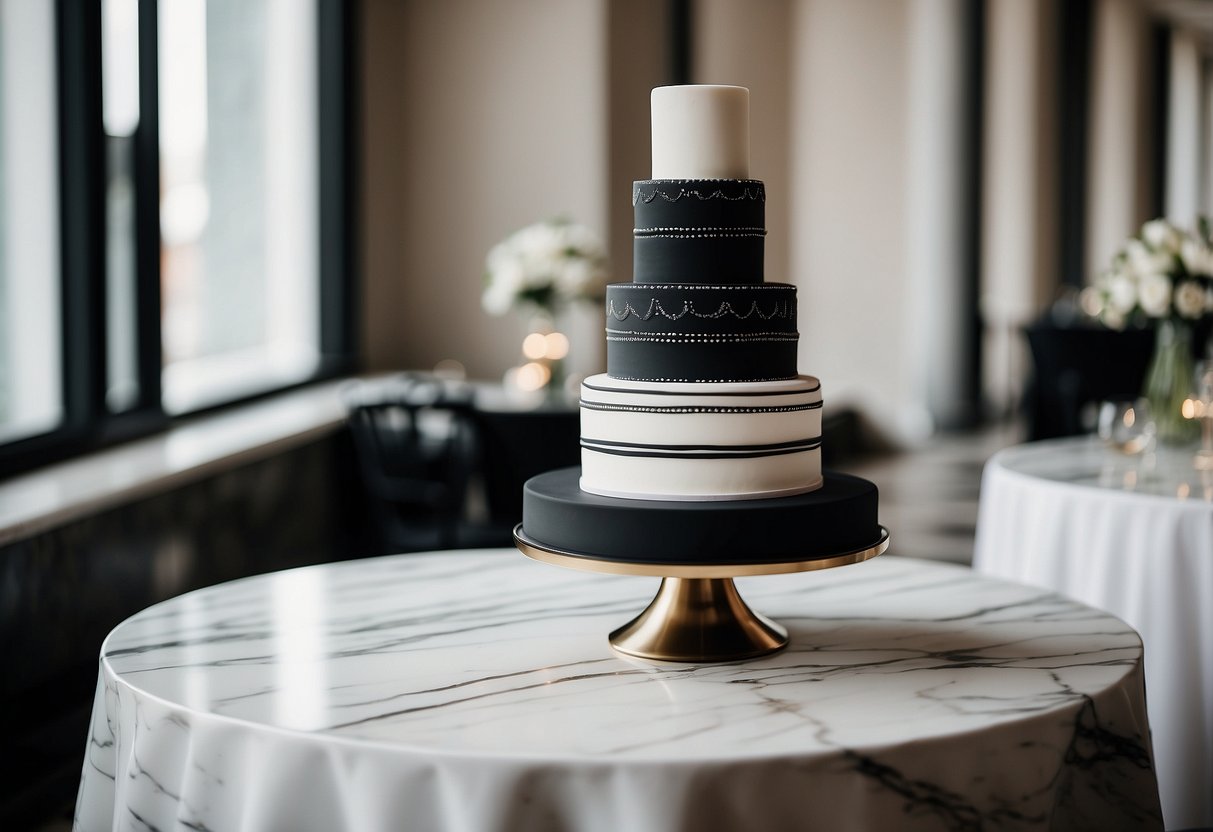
(476, 691)
(1132, 535)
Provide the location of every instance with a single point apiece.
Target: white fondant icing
(692, 416)
(701, 132)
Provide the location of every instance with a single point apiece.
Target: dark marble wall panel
(63, 590)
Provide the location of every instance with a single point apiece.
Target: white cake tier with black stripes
(692, 441)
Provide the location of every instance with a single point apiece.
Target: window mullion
(82, 166)
(147, 213)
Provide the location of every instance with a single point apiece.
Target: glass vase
(1169, 382)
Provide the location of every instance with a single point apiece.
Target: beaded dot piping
(704, 287)
(700, 380)
(692, 338)
(697, 234)
(784, 309)
(663, 230)
(753, 192)
(638, 408)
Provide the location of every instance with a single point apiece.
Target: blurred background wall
(939, 171)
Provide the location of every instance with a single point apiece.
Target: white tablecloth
(1133, 536)
(477, 691)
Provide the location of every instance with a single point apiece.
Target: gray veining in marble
(913, 693)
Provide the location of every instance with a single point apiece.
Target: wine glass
(1202, 409)
(1126, 425)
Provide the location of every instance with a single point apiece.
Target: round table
(1132, 535)
(476, 690)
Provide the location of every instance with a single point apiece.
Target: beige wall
(480, 117)
(1118, 171)
(847, 186)
(750, 44)
(636, 60)
(1019, 193)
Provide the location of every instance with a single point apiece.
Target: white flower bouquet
(1163, 276)
(1164, 272)
(545, 267)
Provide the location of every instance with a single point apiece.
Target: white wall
(480, 117)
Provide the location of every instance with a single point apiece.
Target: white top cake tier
(701, 132)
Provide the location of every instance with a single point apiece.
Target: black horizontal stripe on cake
(768, 446)
(657, 451)
(676, 409)
(589, 386)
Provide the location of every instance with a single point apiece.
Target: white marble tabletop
(1165, 471)
(1132, 535)
(476, 690)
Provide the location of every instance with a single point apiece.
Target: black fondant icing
(698, 230)
(688, 332)
(837, 518)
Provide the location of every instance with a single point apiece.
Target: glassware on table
(1126, 425)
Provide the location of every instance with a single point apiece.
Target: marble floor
(928, 495)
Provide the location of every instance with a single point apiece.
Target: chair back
(416, 447)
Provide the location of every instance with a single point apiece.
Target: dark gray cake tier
(698, 231)
(688, 332)
(838, 518)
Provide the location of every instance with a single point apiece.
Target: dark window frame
(87, 424)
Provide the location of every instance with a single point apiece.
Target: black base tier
(836, 518)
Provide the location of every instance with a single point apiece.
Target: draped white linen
(1132, 536)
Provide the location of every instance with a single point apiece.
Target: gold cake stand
(698, 615)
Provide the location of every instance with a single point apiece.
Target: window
(174, 211)
(31, 400)
(239, 197)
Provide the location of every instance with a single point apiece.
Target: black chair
(517, 445)
(417, 449)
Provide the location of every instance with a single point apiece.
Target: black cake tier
(838, 518)
(688, 332)
(698, 231)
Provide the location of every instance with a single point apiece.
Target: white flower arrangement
(545, 266)
(1163, 272)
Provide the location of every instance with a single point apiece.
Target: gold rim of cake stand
(588, 563)
(697, 615)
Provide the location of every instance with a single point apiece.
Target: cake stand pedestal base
(698, 615)
(698, 620)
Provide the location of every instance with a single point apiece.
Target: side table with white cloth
(1132, 535)
(476, 690)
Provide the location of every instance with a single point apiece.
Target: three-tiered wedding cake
(701, 442)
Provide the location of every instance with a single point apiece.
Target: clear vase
(1169, 382)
